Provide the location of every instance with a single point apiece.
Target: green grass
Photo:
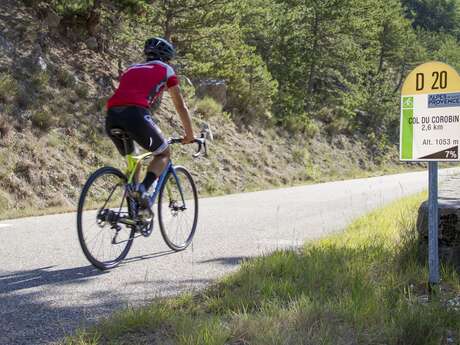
(363, 286)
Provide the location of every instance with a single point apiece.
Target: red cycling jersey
(142, 84)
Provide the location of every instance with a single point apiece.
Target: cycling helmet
(157, 48)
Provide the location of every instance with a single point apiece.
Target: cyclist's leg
(147, 134)
(114, 119)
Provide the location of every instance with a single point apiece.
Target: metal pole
(433, 255)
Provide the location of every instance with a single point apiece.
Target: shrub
(70, 8)
(301, 124)
(5, 127)
(65, 78)
(81, 90)
(24, 98)
(43, 119)
(53, 140)
(337, 126)
(208, 107)
(300, 155)
(40, 80)
(8, 88)
(5, 201)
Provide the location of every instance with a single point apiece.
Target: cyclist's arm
(183, 112)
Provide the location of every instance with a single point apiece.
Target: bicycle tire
(167, 206)
(82, 212)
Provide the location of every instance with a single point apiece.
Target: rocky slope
(53, 88)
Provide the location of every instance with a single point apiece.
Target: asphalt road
(48, 289)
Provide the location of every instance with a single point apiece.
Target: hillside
(55, 77)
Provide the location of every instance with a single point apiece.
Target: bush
(72, 7)
(8, 88)
(300, 155)
(40, 80)
(5, 126)
(301, 124)
(43, 120)
(208, 107)
(65, 78)
(339, 125)
(24, 98)
(82, 90)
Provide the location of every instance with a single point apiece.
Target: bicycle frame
(133, 164)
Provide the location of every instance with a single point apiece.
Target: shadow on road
(227, 261)
(31, 317)
(20, 280)
(148, 256)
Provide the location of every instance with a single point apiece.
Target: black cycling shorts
(138, 124)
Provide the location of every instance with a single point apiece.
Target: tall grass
(364, 286)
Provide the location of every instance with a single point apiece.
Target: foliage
(209, 39)
(43, 119)
(8, 88)
(69, 7)
(304, 64)
(208, 107)
(434, 15)
(65, 78)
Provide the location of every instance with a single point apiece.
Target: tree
(434, 15)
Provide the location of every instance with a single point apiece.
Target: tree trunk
(402, 75)
(168, 23)
(312, 69)
(94, 18)
(382, 48)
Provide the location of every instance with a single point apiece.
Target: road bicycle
(108, 220)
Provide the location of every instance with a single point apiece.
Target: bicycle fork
(173, 203)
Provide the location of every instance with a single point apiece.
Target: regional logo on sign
(444, 100)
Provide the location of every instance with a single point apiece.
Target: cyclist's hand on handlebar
(188, 139)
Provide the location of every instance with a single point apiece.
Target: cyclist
(141, 86)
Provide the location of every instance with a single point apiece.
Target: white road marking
(5, 226)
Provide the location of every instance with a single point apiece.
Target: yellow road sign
(430, 114)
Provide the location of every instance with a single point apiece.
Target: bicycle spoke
(95, 236)
(104, 192)
(178, 210)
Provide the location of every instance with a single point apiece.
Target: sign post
(433, 255)
(430, 131)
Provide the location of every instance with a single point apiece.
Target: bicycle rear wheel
(178, 212)
(105, 241)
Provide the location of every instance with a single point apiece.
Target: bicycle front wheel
(103, 202)
(178, 209)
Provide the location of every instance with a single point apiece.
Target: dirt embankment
(52, 94)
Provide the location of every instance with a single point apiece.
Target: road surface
(48, 289)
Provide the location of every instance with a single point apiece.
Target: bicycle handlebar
(201, 141)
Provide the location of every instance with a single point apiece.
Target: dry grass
(59, 129)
